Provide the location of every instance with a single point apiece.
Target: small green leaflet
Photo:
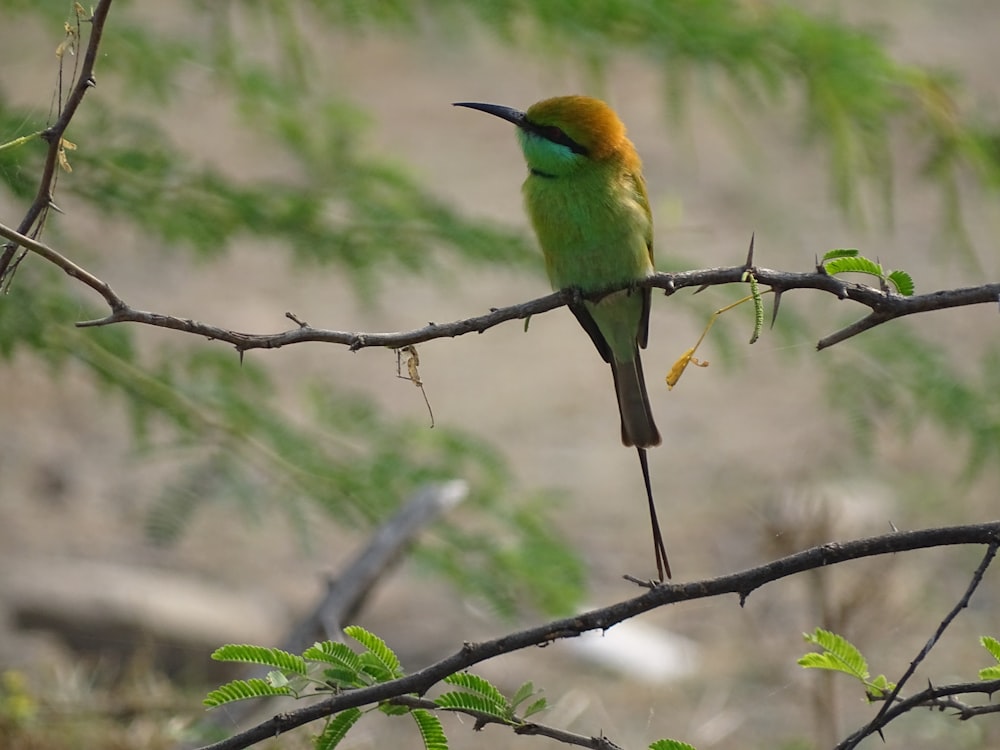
(993, 646)
(671, 745)
(523, 693)
(527, 692)
(334, 653)
(278, 679)
(881, 686)
(840, 655)
(379, 660)
(345, 666)
(848, 260)
(902, 281)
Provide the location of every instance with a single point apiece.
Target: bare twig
(962, 709)
(931, 698)
(61, 261)
(518, 725)
(742, 584)
(880, 720)
(53, 136)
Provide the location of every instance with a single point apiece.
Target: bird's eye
(552, 133)
(557, 135)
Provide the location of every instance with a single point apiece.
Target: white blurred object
(638, 650)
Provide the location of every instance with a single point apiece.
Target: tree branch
(880, 720)
(962, 709)
(742, 584)
(885, 306)
(519, 726)
(53, 135)
(933, 697)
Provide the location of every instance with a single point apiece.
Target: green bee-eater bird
(587, 201)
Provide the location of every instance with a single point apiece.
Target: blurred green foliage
(364, 217)
(360, 216)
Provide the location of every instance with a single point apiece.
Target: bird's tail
(638, 427)
(659, 550)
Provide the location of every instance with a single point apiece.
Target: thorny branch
(881, 718)
(941, 698)
(518, 725)
(884, 305)
(53, 136)
(742, 583)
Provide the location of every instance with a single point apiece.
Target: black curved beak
(509, 114)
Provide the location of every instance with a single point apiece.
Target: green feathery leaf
(839, 655)
(379, 660)
(268, 657)
(431, 729)
(902, 281)
(843, 252)
(484, 688)
(339, 677)
(853, 264)
(992, 645)
(346, 668)
(336, 729)
(990, 673)
(239, 690)
(461, 701)
(337, 654)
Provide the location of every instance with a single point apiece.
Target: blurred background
(239, 161)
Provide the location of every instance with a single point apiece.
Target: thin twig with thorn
(876, 724)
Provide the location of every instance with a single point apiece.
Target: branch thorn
(749, 264)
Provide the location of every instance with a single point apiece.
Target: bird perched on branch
(587, 201)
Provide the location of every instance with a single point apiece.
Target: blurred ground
(752, 455)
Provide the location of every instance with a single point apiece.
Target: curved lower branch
(658, 595)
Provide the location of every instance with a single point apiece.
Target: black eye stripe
(556, 135)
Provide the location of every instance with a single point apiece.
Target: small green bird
(587, 201)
